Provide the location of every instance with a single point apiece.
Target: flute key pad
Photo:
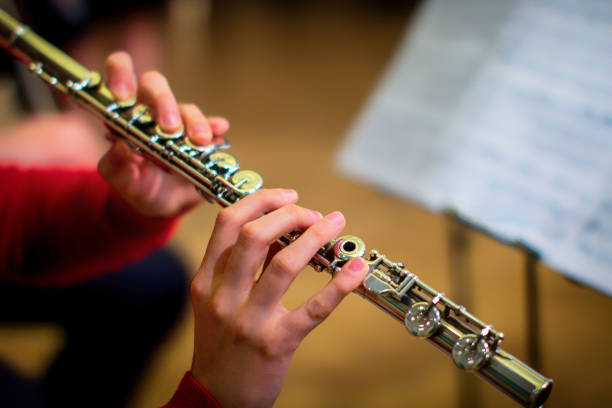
(169, 135)
(422, 319)
(223, 163)
(247, 181)
(471, 352)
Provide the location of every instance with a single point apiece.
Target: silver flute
(472, 344)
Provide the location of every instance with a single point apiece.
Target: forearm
(62, 227)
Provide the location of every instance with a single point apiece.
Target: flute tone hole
(349, 246)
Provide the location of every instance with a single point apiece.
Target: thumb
(115, 165)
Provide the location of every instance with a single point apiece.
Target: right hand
(244, 336)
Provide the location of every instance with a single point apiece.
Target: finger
(285, 265)
(252, 245)
(154, 91)
(121, 78)
(305, 318)
(275, 248)
(117, 167)
(228, 224)
(197, 126)
(218, 125)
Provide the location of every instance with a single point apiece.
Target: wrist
(191, 394)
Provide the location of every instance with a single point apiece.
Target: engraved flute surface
(216, 174)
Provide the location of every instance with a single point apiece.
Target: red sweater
(61, 227)
(190, 394)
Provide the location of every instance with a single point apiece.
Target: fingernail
(202, 133)
(335, 218)
(121, 91)
(356, 264)
(171, 120)
(217, 127)
(317, 214)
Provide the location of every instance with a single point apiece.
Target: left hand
(148, 188)
(244, 336)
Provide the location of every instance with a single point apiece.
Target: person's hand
(244, 336)
(148, 188)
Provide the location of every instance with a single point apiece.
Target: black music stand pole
(469, 387)
(532, 288)
(459, 245)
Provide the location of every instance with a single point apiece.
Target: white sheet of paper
(502, 110)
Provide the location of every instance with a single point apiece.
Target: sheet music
(502, 110)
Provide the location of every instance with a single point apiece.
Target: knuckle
(294, 211)
(226, 217)
(260, 343)
(217, 310)
(317, 310)
(319, 234)
(269, 348)
(283, 264)
(196, 292)
(251, 235)
(194, 289)
(244, 333)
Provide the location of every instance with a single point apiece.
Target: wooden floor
(291, 79)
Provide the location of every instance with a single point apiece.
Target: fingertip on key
(356, 265)
(335, 218)
(170, 121)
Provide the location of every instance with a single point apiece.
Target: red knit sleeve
(61, 227)
(190, 394)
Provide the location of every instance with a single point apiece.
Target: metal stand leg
(458, 243)
(533, 308)
(469, 392)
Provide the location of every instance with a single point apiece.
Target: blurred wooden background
(291, 76)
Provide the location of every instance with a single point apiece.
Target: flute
(472, 344)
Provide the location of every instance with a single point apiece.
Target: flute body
(216, 174)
